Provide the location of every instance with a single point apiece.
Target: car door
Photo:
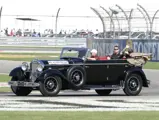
(116, 69)
(96, 72)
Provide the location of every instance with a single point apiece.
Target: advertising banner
(105, 46)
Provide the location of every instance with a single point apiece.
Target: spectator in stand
(11, 32)
(39, 35)
(6, 32)
(14, 32)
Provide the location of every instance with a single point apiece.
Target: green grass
(4, 78)
(5, 89)
(31, 56)
(28, 56)
(79, 115)
(152, 65)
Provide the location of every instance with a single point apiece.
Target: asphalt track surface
(82, 100)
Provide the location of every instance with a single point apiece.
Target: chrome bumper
(23, 84)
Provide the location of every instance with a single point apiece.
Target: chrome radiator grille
(34, 74)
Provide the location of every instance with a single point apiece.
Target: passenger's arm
(91, 58)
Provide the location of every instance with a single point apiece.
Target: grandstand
(114, 23)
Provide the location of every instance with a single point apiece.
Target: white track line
(74, 104)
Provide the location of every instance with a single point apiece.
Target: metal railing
(37, 42)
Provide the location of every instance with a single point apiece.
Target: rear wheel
(20, 91)
(76, 77)
(103, 92)
(133, 85)
(51, 86)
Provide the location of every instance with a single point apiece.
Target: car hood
(55, 62)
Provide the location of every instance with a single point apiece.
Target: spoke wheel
(133, 85)
(51, 86)
(76, 77)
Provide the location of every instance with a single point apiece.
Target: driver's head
(116, 49)
(93, 52)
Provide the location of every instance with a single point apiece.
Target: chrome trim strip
(23, 84)
(90, 64)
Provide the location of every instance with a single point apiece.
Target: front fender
(50, 72)
(139, 71)
(16, 72)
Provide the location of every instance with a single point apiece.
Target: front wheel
(77, 77)
(51, 86)
(133, 85)
(20, 91)
(103, 92)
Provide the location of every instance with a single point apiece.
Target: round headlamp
(24, 66)
(40, 67)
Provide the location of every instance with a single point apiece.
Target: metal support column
(110, 19)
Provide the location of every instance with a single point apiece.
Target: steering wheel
(71, 60)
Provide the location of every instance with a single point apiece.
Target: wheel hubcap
(76, 77)
(133, 84)
(50, 84)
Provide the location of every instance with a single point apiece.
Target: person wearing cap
(93, 55)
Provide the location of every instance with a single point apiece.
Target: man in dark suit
(126, 53)
(116, 53)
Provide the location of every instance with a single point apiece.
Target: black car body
(74, 71)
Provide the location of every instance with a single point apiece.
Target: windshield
(73, 53)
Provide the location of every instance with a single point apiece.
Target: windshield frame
(82, 51)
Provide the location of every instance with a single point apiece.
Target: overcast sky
(68, 8)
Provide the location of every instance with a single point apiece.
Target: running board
(101, 87)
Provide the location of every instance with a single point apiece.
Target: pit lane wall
(105, 46)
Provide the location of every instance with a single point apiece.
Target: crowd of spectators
(46, 33)
(76, 34)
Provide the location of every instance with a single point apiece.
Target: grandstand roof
(27, 19)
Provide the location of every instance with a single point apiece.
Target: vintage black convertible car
(74, 71)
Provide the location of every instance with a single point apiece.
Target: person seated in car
(93, 55)
(116, 53)
(128, 53)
